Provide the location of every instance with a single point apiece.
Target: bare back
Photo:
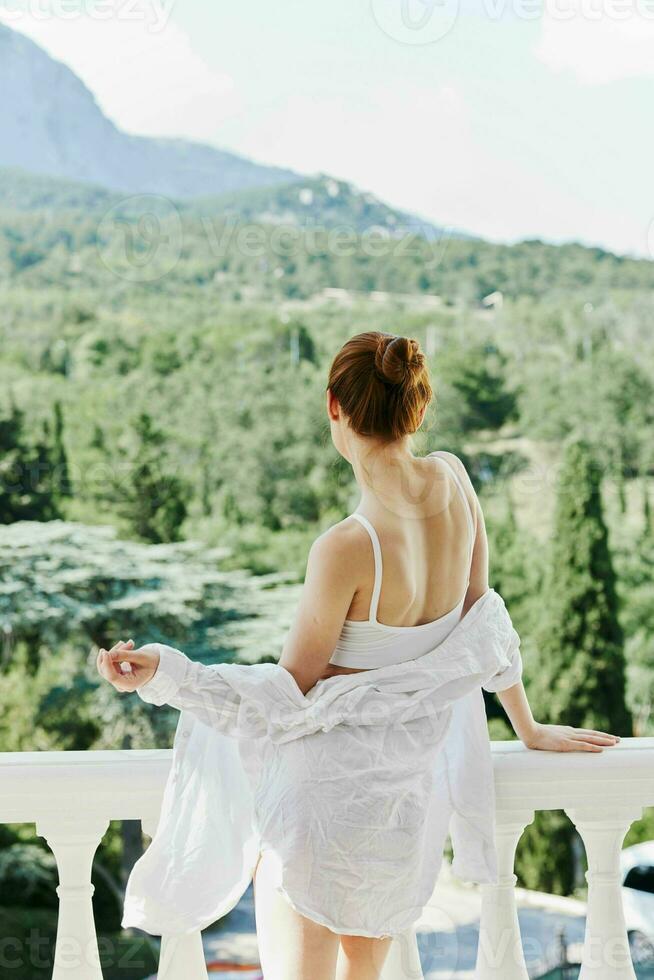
(432, 538)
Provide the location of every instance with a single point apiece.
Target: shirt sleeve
(190, 686)
(167, 678)
(510, 672)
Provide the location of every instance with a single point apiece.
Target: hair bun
(398, 359)
(381, 382)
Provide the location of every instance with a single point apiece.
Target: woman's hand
(126, 668)
(565, 738)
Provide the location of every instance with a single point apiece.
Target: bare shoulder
(456, 463)
(339, 544)
(460, 470)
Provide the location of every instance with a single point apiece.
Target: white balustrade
(602, 793)
(606, 948)
(499, 954)
(73, 844)
(72, 796)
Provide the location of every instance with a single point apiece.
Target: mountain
(59, 151)
(51, 124)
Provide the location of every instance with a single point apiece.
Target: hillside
(51, 124)
(321, 202)
(23, 191)
(55, 231)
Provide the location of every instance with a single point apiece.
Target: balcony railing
(72, 796)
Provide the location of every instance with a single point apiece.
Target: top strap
(468, 509)
(376, 550)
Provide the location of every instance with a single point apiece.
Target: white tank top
(367, 643)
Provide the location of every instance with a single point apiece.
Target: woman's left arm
(552, 738)
(160, 674)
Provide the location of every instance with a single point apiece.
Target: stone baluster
(182, 958)
(500, 955)
(73, 841)
(606, 947)
(149, 822)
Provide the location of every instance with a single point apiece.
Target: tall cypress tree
(648, 524)
(580, 676)
(59, 456)
(150, 496)
(27, 492)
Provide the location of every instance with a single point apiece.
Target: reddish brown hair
(382, 384)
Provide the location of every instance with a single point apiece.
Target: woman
(351, 743)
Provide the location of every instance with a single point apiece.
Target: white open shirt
(353, 786)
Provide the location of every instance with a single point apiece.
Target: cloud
(601, 47)
(149, 81)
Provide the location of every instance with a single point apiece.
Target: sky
(509, 119)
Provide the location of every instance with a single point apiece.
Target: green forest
(165, 461)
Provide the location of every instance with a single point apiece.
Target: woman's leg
(361, 958)
(291, 947)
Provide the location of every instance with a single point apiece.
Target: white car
(637, 867)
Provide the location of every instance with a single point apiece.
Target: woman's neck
(389, 476)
